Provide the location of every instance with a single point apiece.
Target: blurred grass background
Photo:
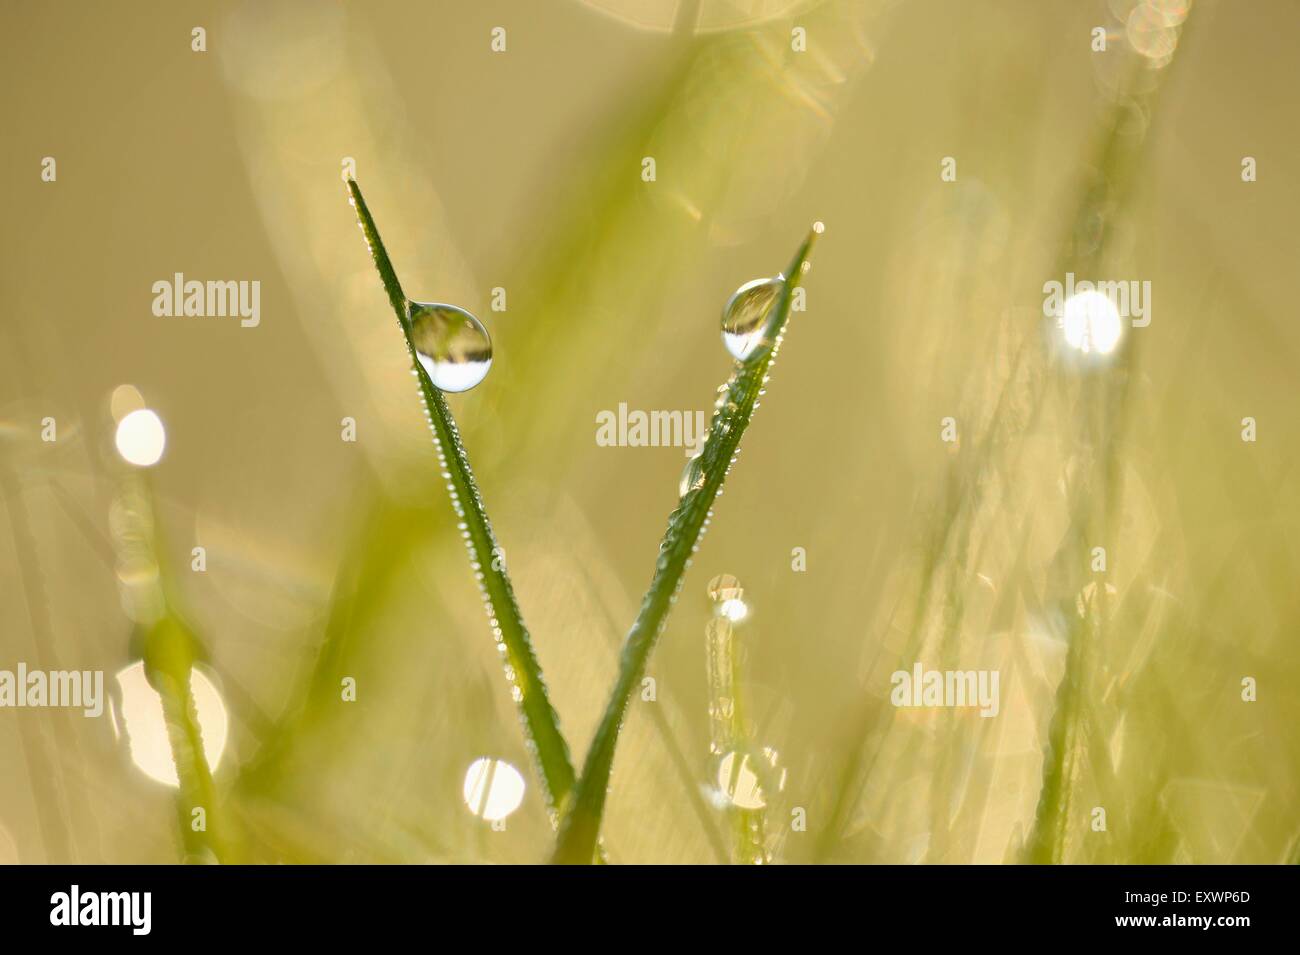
(522, 170)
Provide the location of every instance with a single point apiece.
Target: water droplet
(692, 477)
(452, 345)
(744, 319)
(124, 400)
(729, 596)
(725, 587)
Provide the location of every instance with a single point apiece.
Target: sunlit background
(194, 490)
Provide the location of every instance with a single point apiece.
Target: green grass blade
(169, 652)
(169, 649)
(541, 724)
(580, 825)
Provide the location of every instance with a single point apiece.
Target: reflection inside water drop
(452, 345)
(744, 319)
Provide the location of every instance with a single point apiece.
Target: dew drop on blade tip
(451, 344)
(744, 318)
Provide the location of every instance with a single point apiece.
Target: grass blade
(169, 652)
(540, 721)
(580, 825)
(169, 649)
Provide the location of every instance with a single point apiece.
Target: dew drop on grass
(452, 345)
(728, 597)
(725, 587)
(744, 318)
(692, 477)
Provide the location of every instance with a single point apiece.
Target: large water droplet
(692, 477)
(744, 319)
(452, 345)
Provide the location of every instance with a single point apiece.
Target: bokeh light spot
(1092, 323)
(141, 438)
(493, 789)
(141, 720)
